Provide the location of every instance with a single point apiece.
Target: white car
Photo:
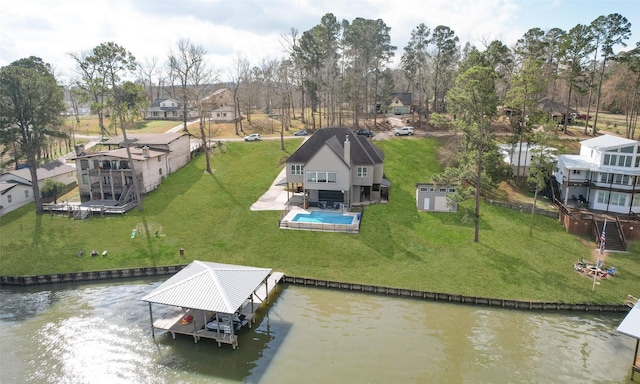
(408, 131)
(252, 137)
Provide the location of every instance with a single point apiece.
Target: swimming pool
(321, 220)
(321, 217)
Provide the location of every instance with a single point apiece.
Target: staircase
(613, 237)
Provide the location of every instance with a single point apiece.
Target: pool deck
(287, 222)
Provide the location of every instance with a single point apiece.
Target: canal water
(100, 333)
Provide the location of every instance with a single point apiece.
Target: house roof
(209, 286)
(553, 107)
(145, 139)
(404, 97)
(6, 186)
(572, 162)
(630, 325)
(45, 171)
(363, 152)
(607, 141)
(121, 153)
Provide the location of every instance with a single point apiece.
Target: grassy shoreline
(209, 216)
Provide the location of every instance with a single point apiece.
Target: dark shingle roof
(363, 152)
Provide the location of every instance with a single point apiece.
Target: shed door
(441, 204)
(426, 205)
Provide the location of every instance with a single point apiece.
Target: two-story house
(519, 155)
(335, 166)
(604, 176)
(108, 175)
(167, 109)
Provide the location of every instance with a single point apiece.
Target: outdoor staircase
(613, 237)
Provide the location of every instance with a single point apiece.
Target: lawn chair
(582, 263)
(611, 270)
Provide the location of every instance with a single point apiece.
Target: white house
(16, 187)
(604, 176)
(518, 156)
(13, 196)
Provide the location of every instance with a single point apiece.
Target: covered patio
(211, 300)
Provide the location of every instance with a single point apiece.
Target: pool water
(322, 218)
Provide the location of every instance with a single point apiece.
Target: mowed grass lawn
(209, 216)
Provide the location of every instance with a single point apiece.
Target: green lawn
(209, 216)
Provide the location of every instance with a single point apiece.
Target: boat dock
(196, 326)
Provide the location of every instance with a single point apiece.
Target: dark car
(301, 132)
(364, 132)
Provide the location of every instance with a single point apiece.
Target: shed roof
(209, 286)
(630, 325)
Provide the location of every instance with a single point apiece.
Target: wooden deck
(171, 322)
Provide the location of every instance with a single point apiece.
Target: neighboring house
(167, 109)
(400, 103)
(224, 114)
(14, 195)
(604, 176)
(108, 175)
(432, 197)
(176, 144)
(518, 156)
(17, 186)
(335, 166)
(555, 110)
(223, 97)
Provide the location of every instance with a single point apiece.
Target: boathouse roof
(630, 325)
(209, 286)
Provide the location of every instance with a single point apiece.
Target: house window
(85, 179)
(606, 177)
(159, 159)
(160, 171)
(84, 164)
(322, 177)
(618, 199)
(575, 172)
(452, 190)
(128, 180)
(424, 189)
(627, 149)
(224, 114)
(636, 200)
(107, 180)
(362, 172)
(124, 164)
(26, 193)
(154, 114)
(603, 197)
(96, 164)
(296, 169)
(9, 199)
(621, 179)
(431, 189)
(442, 190)
(218, 114)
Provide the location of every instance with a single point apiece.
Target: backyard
(209, 217)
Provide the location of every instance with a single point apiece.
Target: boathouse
(211, 300)
(630, 326)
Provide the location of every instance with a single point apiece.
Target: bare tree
(181, 65)
(201, 77)
(237, 77)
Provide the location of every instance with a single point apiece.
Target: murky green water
(100, 333)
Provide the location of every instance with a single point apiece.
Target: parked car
(364, 132)
(403, 131)
(301, 132)
(252, 137)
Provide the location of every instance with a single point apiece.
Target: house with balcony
(106, 177)
(603, 177)
(335, 166)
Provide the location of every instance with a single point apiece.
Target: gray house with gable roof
(336, 166)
